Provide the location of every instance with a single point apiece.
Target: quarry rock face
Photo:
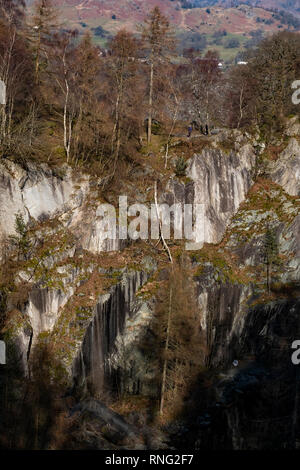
(240, 321)
(226, 300)
(246, 400)
(293, 127)
(219, 181)
(38, 193)
(136, 374)
(243, 325)
(35, 192)
(286, 170)
(91, 367)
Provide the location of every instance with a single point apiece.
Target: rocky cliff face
(221, 182)
(219, 179)
(285, 171)
(82, 293)
(247, 324)
(61, 209)
(91, 368)
(36, 192)
(39, 193)
(241, 319)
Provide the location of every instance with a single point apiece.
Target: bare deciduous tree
(159, 43)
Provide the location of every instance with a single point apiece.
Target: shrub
(232, 43)
(180, 166)
(21, 239)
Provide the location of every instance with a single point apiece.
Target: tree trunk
(171, 130)
(160, 225)
(116, 137)
(5, 76)
(37, 60)
(149, 133)
(207, 111)
(164, 374)
(114, 132)
(241, 107)
(67, 125)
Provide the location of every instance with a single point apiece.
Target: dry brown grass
(273, 151)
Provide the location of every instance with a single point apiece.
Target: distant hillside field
(228, 26)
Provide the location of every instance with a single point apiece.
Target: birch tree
(62, 65)
(15, 73)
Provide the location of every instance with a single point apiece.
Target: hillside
(191, 23)
(292, 6)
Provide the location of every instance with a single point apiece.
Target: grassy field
(227, 54)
